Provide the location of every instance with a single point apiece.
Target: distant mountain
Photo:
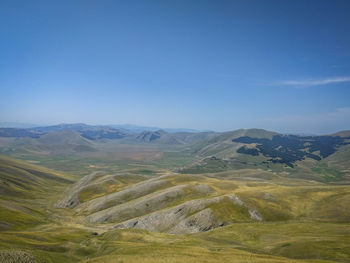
(84, 140)
(95, 132)
(175, 130)
(125, 128)
(150, 136)
(179, 138)
(342, 133)
(131, 128)
(87, 131)
(16, 132)
(209, 151)
(17, 125)
(61, 127)
(56, 143)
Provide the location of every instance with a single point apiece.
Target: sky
(202, 64)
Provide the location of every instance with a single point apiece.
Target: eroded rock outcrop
(138, 207)
(71, 194)
(120, 197)
(189, 217)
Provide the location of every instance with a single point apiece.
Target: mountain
(61, 127)
(131, 128)
(150, 136)
(17, 125)
(301, 156)
(56, 143)
(342, 133)
(287, 149)
(179, 138)
(64, 139)
(87, 131)
(17, 133)
(65, 142)
(222, 145)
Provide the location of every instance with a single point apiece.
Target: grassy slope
(305, 222)
(267, 242)
(25, 190)
(333, 169)
(251, 242)
(254, 242)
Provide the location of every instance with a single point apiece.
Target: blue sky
(219, 65)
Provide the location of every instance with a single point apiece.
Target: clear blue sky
(220, 65)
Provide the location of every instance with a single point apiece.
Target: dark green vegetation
(241, 196)
(288, 149)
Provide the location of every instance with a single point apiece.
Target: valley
(80, 193)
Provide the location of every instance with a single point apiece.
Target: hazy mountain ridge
(177, 136)
(132, 128)
(207, 151)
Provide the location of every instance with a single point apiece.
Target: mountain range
(207, 151)
(128, 128)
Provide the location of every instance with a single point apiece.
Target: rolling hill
(142, 211)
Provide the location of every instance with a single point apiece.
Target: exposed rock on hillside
(135, 191)
(138, 207)
(70, 198)
(189, 217)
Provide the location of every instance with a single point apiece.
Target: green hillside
(24, 191)
(125, 203)
(321, 158)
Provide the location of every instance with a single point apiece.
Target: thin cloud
(312, 83)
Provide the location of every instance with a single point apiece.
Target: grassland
(303, 220)
(253, 242)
